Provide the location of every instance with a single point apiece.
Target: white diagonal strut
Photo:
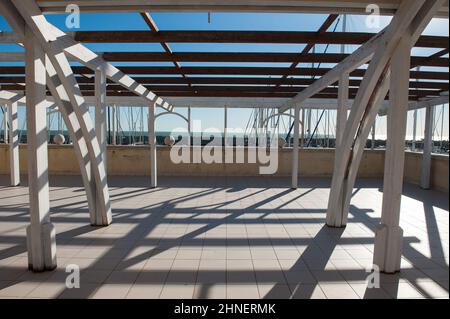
(39, 26)
(79, 142)
(362, 116)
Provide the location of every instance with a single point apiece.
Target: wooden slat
(430, 59)
(251, 57)
(141, 70)
(444, 86)
(294, 58)
(229, 94)
(168, 51)
(323, 28)
(182, 36)
(212, 90)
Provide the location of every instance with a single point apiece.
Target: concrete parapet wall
(135, 160)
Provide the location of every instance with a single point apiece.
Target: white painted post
(309, 124)
(302, 138)
(372, 145)
(152, 142)
(5, 125)
(225, 125)
(342, 108)
(290, 124)
(228, 148)
(41, 232)
(413, 147)
(100, 124)
(261, 118)
(295, 149)
(389, 234)
(14, 144)
(328, 128)
(335, 209)
(114, 125)
(189, 123)
(100, 114)
(442, 128)
(427, 148)
(118, 123)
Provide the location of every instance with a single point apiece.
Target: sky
(231, 21)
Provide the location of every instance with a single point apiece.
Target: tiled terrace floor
(224, 238)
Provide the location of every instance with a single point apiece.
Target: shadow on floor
(159, 244)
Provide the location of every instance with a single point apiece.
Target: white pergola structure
(47, 54)
(388, 71)
(12, 99)
(46, 51)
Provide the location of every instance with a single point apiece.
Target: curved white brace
(358, 148)
(410, 19)
(79, 143)
(76, 135)
(173, 113)
(70, 90)
(280, 114)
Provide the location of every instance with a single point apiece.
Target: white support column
(225, 125)
(335, 208)
(14, 144)
(289, 126)
(41, 232)
(342, 108)
(309, 124)
(427, 148)
(389, 235)
(189, 121)
(302, 138)
(442, 127)
(152, 142)
(413, 147)
(114, 125)
(372, 145)
(261, 118)
(100, 113)
(100, 127)
(228, 144)
(295, 149)
(118, 119)
(5, 125)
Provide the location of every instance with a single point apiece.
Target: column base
(42, 250)
(101, 224)
(335, 220)
(336, 225)
(388, 248)
(102, 218)
(337, 211)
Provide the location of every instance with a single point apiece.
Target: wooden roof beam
(231, 81)
(323, 28)
(154, 29)
(250, 57)
(260, 71)
(188, 36)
